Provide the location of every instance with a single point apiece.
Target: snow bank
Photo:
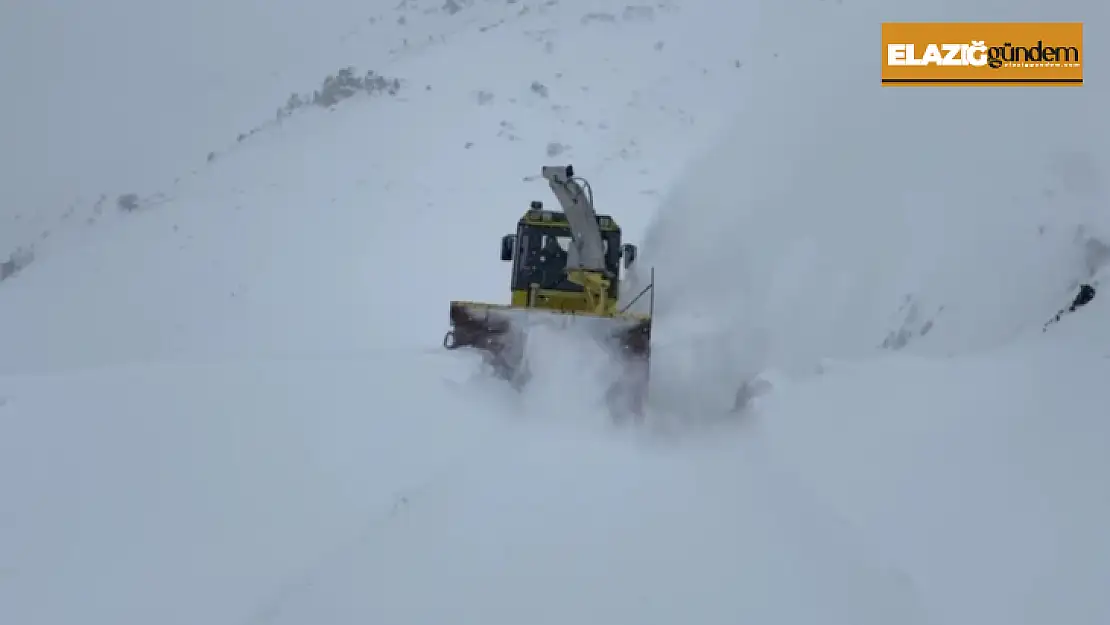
(837, 215)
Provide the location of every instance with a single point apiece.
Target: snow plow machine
(566, 275)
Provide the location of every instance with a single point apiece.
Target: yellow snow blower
(566, 274)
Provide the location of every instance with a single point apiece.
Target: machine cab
(538, 231)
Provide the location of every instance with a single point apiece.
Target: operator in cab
(553, 262)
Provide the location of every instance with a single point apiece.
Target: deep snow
(233, 407)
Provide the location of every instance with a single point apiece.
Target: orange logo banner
(988, 54)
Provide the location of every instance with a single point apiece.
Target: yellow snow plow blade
(478, 324)
(500, 332)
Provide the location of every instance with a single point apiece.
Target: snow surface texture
(231, 405)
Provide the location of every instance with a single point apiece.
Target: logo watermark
(982, 54)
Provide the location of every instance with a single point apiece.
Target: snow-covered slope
(860, 221)
(836, 217)
(127, 95)
(279, 242)
(232, 407)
